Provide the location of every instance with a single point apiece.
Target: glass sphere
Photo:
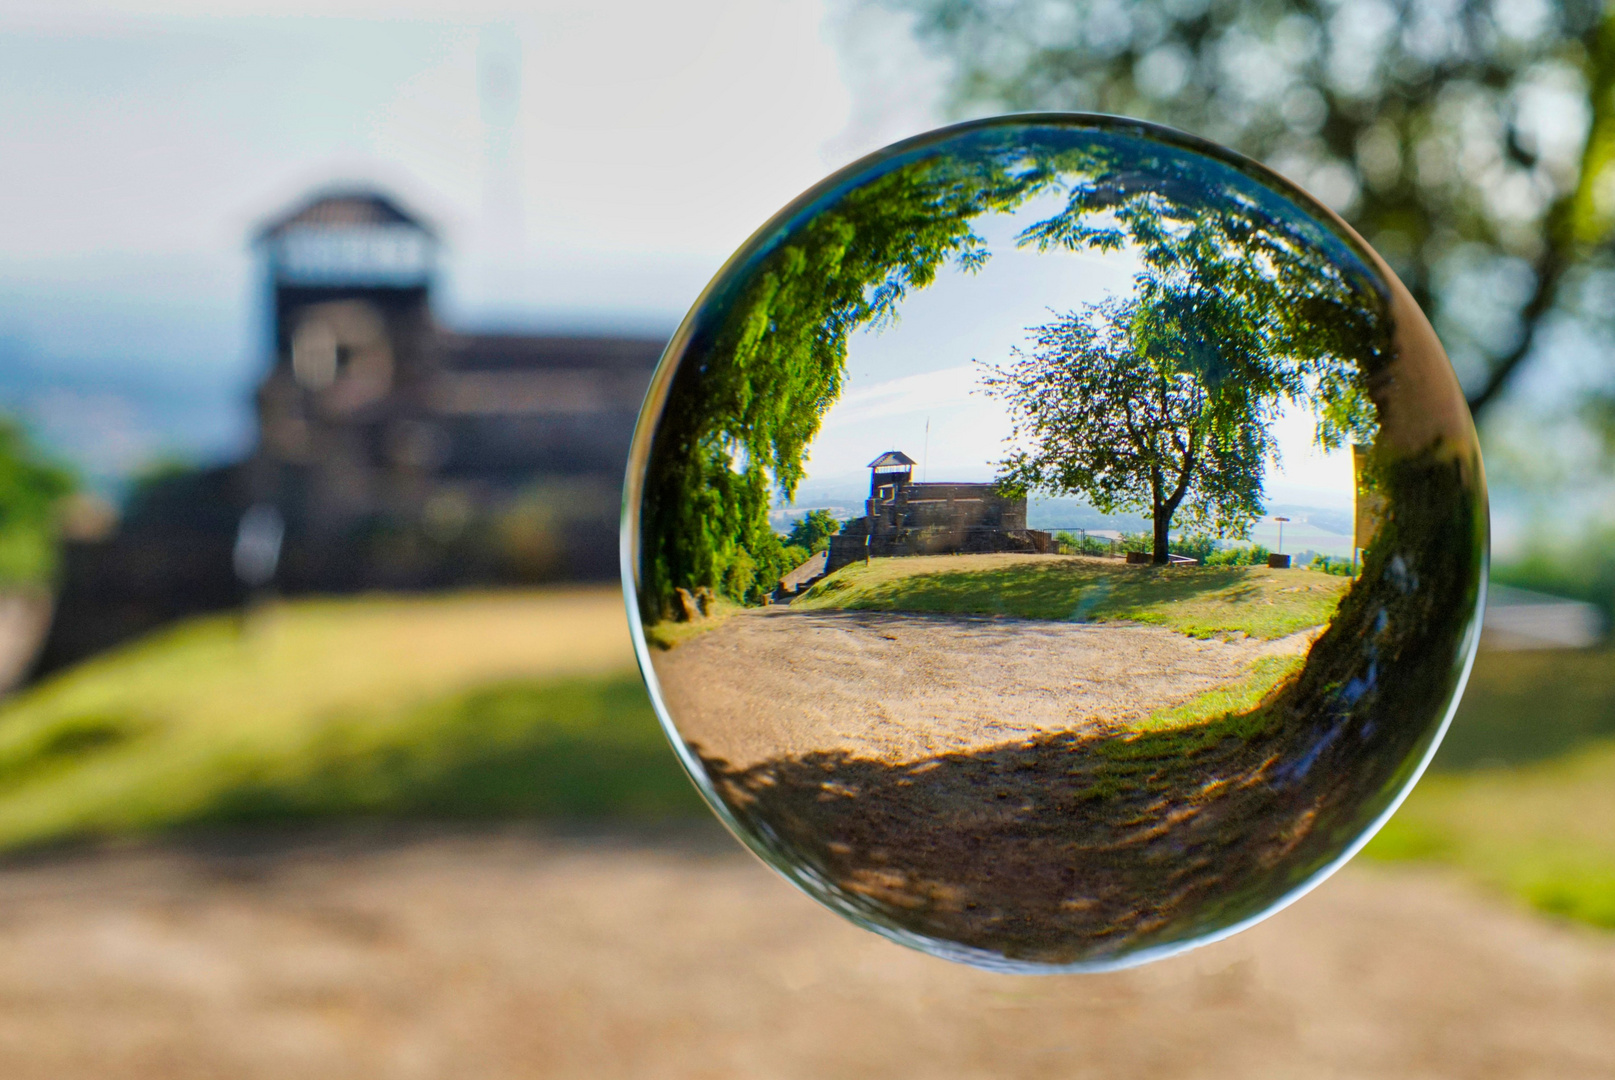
(1055, 541)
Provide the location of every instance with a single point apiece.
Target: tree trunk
(1164, 509)
(1161, 518)
(1163, 521)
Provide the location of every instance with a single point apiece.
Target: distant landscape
(1315, 529)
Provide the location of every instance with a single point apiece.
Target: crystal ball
(1055, 541)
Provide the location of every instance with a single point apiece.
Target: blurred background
(323, 327)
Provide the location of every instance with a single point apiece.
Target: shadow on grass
(1063, 848)
(1197, 600)
(66, 743)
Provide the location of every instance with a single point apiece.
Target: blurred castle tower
(406, 455)
(392, 453)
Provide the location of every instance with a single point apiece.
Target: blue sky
(590, 165)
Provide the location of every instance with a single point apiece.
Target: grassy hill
(1201, 601)
(474, 704)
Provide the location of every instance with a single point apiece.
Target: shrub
(1239, 555)
(1069, 543)
(31, 488)
(812, 531)
(1331, 564)
(1197, 546)
(1137, 542)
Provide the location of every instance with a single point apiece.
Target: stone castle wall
(936, 519)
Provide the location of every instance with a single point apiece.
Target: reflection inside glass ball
(1055, 541)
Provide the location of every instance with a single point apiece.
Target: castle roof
(892, 459)
(357, 208)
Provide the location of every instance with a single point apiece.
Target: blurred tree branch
(1472, 142)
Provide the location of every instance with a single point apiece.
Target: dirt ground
(899, 688)
(982, 781)
(619, 954)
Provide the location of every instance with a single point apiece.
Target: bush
(31, 488)
(1331, 564)
(1197, 546)
(812, 531)
(1069, 543)
(1239, 555)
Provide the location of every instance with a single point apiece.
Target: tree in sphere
(1097, 413)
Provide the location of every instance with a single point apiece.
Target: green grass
(1521, 795)
(1202, 601)
(1265, 675)
(1544, 833)
(527, 704)
(497, 704)
(668, 634)
(1523, 707)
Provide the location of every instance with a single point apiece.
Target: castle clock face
(1055, 541)
(341, 352)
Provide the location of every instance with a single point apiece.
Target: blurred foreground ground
(669, 953)
(229, 858)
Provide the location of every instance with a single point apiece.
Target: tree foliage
(1253, 294)
(1165, 401)
(1246, 290)
(31, 487)
(1104, 415)
(812, 531)
(758, 376)
(1472, 142)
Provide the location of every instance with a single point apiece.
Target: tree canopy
(769, 359)
(812, 531)
(1102, 414)
(1263, 298)
(1472, 142)
(1166, 400)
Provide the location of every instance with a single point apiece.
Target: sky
(589, 164)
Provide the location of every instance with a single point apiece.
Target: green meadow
(527, 705)
(1521, 795)
(474, 705)
(1235, 699)
(1202, 601)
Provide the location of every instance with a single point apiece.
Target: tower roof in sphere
(892, 459)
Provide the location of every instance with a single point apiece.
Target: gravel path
(899, 687)
(517, 954)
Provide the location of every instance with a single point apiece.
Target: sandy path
(902, 687)
(493, 956)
